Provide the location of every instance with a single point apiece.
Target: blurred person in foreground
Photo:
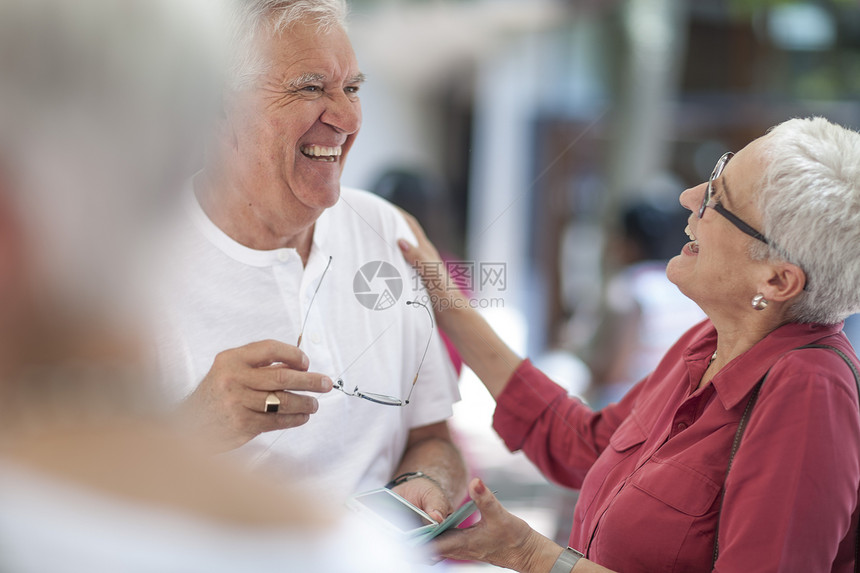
(645, 313)
(99, 103)
(291, 286)
(774, 261)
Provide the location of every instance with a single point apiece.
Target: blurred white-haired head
(102, 106)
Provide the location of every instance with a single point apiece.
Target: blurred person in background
(275, 306)
(100, 103)
(741, 451)
(645, 312)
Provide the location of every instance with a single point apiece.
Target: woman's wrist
(540, 555)
(451, 308)
(448, 299)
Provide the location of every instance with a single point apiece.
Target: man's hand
(229, 404)
(426, 494)
(429, 449)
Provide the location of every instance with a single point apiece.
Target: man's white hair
(810, 203)
(253, 19)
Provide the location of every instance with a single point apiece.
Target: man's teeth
(326, 153)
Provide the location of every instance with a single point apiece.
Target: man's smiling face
(292, 130)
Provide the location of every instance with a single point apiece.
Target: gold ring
(273, 403)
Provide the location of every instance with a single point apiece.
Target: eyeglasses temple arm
(426, 347)
(311, 304)
(740, 224)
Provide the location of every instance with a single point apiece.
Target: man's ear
(785, 281)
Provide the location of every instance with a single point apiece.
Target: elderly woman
(741, 451)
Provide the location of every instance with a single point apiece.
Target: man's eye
(312, 89)
(352, 90)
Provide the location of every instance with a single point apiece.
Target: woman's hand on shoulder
(429, 264)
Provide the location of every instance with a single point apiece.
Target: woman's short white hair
(810, 203)
(255, 18)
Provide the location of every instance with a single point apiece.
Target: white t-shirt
(49, 525)
(228, 295)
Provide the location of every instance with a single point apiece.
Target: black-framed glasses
(708, 201)
(376, 398)
(740, 224)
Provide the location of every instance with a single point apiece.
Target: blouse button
(681, 426)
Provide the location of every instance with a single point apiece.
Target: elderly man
(292, 286)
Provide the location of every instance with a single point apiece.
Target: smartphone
(459, 516)
(397, 515)
(393, 512)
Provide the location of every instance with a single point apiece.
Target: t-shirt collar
(238, 251)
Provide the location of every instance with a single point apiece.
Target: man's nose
(343, 113)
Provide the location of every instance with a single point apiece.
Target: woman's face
(714, 268)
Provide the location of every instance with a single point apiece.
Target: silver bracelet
(566, 561)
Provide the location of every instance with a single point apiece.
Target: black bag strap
(742, 425)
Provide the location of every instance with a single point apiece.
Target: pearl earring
(759, 302)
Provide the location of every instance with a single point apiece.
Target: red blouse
(651, 468)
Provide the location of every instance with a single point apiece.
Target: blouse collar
(735, 381)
